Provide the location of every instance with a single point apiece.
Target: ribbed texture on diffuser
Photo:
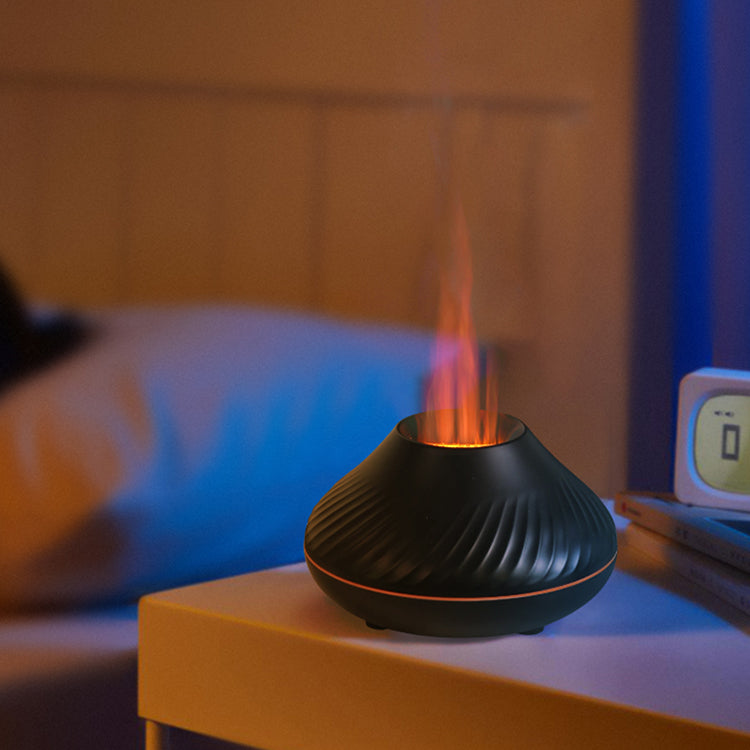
(487, 544)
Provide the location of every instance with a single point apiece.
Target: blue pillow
(188, 443)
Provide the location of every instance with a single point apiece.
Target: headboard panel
(306, 155)
(120, 194)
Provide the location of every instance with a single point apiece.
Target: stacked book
(709, 546)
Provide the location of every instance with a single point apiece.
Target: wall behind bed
(304, 155)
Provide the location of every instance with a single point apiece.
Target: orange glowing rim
(423, 597)
(421, 428)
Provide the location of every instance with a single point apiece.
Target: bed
(173, 444)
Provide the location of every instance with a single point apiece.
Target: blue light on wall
(692, 278)
(692, 257)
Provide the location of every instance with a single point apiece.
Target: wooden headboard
(306, 155)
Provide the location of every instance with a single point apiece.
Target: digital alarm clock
(712, 452)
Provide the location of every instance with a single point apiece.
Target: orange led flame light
(459, 412)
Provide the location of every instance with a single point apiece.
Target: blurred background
(303, 155)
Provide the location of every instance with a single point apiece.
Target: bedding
(69, 681)
(185, 444)
(174, 445)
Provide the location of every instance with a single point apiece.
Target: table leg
(157, 736)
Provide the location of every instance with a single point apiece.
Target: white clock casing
(712, 453)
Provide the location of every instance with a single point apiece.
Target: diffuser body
(460, 541)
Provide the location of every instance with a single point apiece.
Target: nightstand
(265, 659)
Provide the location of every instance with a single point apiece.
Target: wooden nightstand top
(266, 659)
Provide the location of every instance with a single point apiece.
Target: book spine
(656, 520)
(724, 581)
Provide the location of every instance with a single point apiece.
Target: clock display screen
(722, 443)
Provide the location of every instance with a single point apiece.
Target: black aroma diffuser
(460, 541)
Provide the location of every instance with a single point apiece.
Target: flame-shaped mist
(461, 400)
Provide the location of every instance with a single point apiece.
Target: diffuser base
(535, 631)
(447, 540)
(460, 617)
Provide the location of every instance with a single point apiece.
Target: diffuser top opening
(495, 429)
